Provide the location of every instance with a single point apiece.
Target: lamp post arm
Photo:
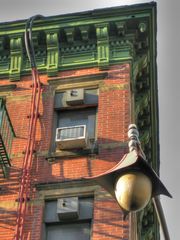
(161, 217)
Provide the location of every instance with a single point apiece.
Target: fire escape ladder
(6, 136)
(4, 158)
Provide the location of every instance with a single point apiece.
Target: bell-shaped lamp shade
(132, 182)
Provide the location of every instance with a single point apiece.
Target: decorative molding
(84, 32)
(4, 54)
(144, 90)
(143, 116)
(95, 38)
(69, 34)
(16, 58)
(102, 45)
(121, 28)
(52, 53)
(147, 222)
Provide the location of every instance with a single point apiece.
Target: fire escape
(6, 136)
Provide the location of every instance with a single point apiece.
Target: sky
(168, 50)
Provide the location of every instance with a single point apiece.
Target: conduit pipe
(25, 184)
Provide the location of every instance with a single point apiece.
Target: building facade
(98, 74)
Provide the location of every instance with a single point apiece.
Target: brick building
(98, 74)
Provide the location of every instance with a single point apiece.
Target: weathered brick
(112, 123)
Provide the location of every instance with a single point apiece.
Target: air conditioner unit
(75, 96)
(68, 208)
(71, 137)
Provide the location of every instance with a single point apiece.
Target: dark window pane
(76, 231)
(60, 100)
(73, 118)
(71, 132)
(91, 96)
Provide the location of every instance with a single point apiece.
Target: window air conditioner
(71, 137)
(75, 96)
(68, 208)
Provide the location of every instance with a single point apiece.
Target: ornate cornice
(147, 223)
(145, 94)
(94, 38)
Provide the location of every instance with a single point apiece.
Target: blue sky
(168, 39)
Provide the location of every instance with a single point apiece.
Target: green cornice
(87, 17)
(99, 37)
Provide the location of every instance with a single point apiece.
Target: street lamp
(132, 182)
(133, 191)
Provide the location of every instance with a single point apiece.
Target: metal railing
(6, 136)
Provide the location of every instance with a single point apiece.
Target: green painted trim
(89, 39)
(16, 53)
(52, 53)
(102, 45)
(144, 90)
(154, 91)
(87, 17)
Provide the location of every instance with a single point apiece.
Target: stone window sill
(53, 156)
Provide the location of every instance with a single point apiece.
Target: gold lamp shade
(133, 191)
(132, 182)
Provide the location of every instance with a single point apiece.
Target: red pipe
(36, 112)
(30, 152)
(25, 163)
(24, 191)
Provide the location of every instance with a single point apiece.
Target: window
(70, 227)
(79, 117)
(79, 231)
(75, 119)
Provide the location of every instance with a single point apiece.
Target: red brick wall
(113, 120)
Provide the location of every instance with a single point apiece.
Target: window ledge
(53, 156)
